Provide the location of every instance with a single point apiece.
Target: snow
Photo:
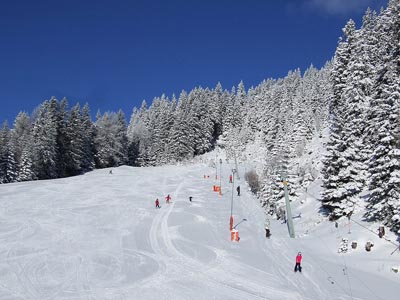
(99, 236)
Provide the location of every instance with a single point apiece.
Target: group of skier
(299, 256)
(167, 199)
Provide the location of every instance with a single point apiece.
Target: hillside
(98, 236)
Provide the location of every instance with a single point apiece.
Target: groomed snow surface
(99, 236)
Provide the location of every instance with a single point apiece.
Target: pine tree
(110, 140)
(8, 166)
(59, 115)
(138, 134)
(339, 175)
(200, 120)
(87, 163)
(155, 116)
(216, 104)
(74, 142)
(44, 134)
(122, 139)
(384, 165)
(181, 133)
(26, 165)
(133, 137)
(20, 134)
(168, 120)
(104, 141)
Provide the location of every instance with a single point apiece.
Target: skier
(267, 232)
(230, 178)
(297, 267)
(238, 190)
(267, 229)
(190, 198)
(168, 198)
(381, 231)
(157, 203)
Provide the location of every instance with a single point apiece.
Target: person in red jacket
(157, 203)
(297, 267)
(168, 198)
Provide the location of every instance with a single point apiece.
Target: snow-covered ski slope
(99, 236)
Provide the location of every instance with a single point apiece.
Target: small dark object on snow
(349, 215)
(190, 198)
(110, 172)
(238, 190)
(353, 245)
(267, 232)
(368, 246)
(381, 231)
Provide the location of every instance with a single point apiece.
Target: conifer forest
(354, 100)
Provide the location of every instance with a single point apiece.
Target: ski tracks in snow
(174, 262)
(161, 242)
(296, 280)
(220, 275)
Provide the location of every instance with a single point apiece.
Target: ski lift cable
(366, 285)
(371, 291)
(343, 289)
(329, 275)
(312, 196)
(356, 204)
(345, 268)
(373, 232)
(326, 246)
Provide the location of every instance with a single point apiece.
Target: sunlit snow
(99, 236)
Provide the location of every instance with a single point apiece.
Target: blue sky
(114, 54)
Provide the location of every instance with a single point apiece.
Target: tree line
(55, 141)
(363, 152)
(355, 97)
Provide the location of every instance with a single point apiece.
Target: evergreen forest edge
(355, 96)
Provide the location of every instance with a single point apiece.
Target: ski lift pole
(233, 186)
(216, 166)
(288, 209)
(220, 177)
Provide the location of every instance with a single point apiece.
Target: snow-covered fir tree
(86, 125)
(110, 140)
(8, 166)
(384, 120)
(181, 133)
(44, 137)
(20, 135)
(355, 96)
(26, 170)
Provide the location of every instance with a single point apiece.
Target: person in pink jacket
(297, 267)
